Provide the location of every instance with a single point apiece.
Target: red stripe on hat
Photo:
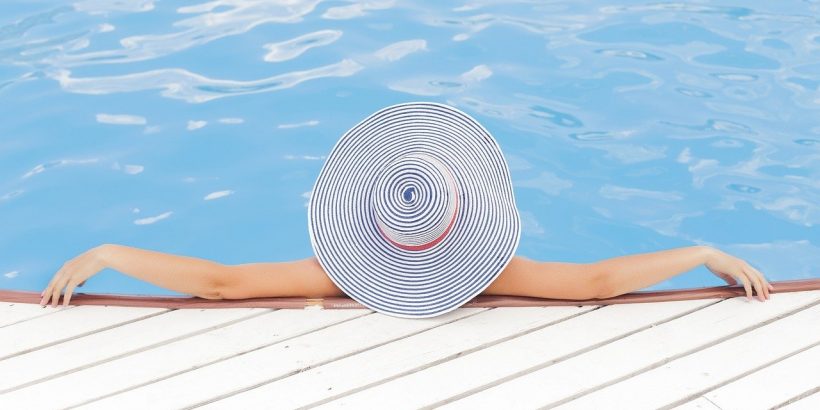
(428, 244)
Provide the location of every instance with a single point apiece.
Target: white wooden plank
(177, 357)
(578, 375)
(278, 360)
(701, 403)
(807, 403)
(86, 351)
(66, 324)
(400, 357)
(772, 385)
(698, 372)
(11, 313)
(477, 369)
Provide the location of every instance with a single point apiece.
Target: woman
(412, 215)
(522, 276)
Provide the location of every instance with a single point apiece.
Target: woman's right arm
(194, 276)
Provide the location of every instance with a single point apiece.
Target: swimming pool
(198, 128)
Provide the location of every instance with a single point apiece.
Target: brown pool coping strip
(176, 302)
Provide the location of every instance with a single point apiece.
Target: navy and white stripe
(413, 212)
(415, 201)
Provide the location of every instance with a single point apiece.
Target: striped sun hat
(413, 212)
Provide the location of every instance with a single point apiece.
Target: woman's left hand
(731, 269)
(72, 274)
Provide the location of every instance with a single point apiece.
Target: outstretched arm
(199, 277)
(616, 276)
(626, 273)
(185, 274)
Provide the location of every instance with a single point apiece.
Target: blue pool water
(199, 128)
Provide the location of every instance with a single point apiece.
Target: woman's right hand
(72, 274)
(731, 268)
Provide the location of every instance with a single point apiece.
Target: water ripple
(152, 219)
(108, 6)
(294, 47)
(715, 125)
(679, 33)
(121, 119)
(479, 22)
(625, 193)
(57, 164)
(357, 9)
(182, 84)
(634, 54)
(399, 50)
(438, 86)
(556, 117)
(14, 31)
(240, 17)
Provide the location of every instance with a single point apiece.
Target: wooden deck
(717, 353)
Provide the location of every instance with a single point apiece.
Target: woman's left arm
(626, 273)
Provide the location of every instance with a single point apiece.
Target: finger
(769, 287)
(59, 289)
(54, 297)
(758, 284)
(56, 278)
(68, 292)
(760, 279)
(49, 292)
(764, 283)
(746, 285)
(50, 285)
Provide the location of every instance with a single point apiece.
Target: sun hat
(413, 212)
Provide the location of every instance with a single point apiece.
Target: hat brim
(414, 283)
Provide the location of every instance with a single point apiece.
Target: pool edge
(176, 302)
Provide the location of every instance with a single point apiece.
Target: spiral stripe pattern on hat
(415, 202)
(413, 212)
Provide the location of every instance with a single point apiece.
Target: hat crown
(415, 201)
